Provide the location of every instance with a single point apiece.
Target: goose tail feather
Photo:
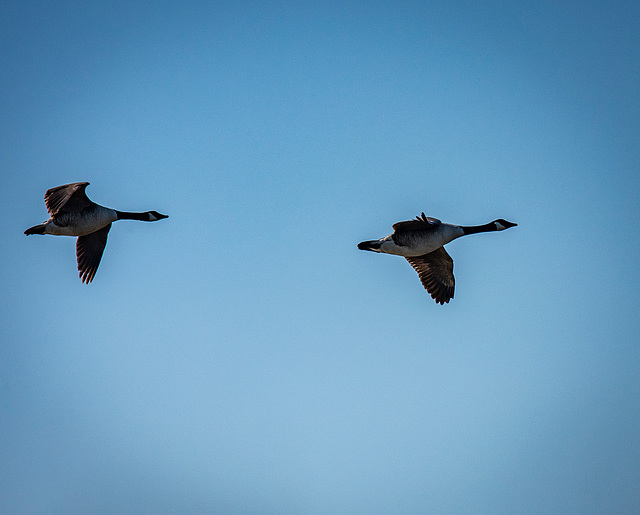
(36, 229)
(369, 245)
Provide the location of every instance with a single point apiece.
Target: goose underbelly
(418, 249)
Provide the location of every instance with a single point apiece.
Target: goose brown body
(74, 214)
(421, 241)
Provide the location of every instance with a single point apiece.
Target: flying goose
(73, 214)
(421, 242)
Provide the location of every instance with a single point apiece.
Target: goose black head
(502, 224)
(154, 216)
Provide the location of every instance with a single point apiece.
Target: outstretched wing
(436, 274)
(89, 251)
(70, 197)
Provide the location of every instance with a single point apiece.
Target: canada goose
(73, 214)
(421, 242)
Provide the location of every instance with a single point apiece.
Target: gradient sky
(243, 356)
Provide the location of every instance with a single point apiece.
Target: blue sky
(243, 356)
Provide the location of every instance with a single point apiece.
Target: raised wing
(424, 223)
(70, 197)
(89, 251)
(406, 233)
(436, 274)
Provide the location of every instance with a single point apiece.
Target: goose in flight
(421, 242)
(73, 214)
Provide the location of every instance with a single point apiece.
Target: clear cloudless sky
(242, 356)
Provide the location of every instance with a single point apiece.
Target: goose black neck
(127, 215)
(473, 229)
